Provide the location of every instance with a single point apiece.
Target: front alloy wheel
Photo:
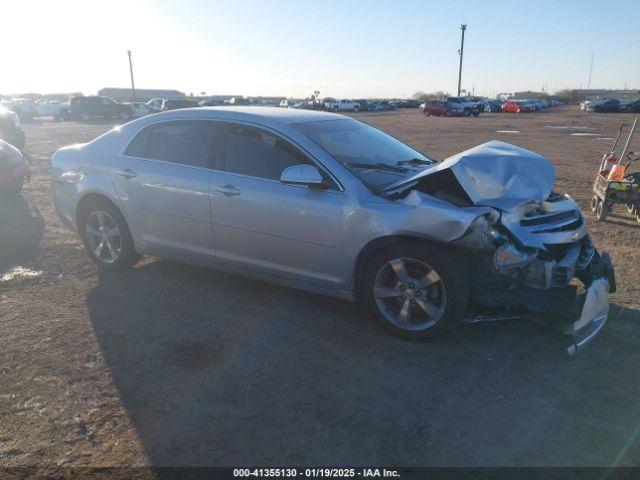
(415, 290)
(410, 294)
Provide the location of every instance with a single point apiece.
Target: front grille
(549, 219)
(562, 228)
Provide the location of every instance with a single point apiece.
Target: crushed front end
(538, 259)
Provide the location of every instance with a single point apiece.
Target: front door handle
(127, 173)
(228, 190)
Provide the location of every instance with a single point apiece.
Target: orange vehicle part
(617, 173)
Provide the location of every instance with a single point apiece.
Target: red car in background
(516, 107)
(439, 108)
(14, 169)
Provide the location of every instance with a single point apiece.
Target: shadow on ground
(21, 230)
(214, 369)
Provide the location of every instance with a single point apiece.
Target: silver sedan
(326, 203)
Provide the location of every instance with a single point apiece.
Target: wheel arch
(376, 245)
(95, 196)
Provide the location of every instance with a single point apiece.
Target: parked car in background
(285, 103)
(608, 106)
(211, 103)
(478, 101)
(86, 108)
(632, 106)
(14, 170)
(513, 106)
(176, 104)
(364, 104)
(380, 106)
(52, 108)
(11, 130)
(407, 103)
(239, 101)
(441, 108)
(325, 203)
(493, 106)
(140, 109)
(463, 104)
(585, 104)
(342, 105)
(25, 108)
(155, 104)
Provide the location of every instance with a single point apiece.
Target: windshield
(373, 156)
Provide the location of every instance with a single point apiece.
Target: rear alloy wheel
(415, 291)
(106, 236)
(356, 109)
(125, 116)
(85, 117)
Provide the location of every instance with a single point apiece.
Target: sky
(343, 48)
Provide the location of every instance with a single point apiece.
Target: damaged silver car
(326, 203)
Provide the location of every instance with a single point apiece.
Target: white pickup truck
(341, 105)
(52, 108)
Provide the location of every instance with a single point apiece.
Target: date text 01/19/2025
(315, 473)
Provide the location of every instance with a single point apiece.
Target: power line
(593, 54)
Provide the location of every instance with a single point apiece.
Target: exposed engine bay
(528, 246)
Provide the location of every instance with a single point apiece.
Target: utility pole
(593, 54)
(133, 87)
(463, 27)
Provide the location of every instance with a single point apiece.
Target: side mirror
(302, 175)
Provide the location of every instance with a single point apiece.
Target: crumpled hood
(498, 174)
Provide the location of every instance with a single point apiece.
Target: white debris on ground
(20, 272)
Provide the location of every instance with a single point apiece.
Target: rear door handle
(127, 173)
(228, 190)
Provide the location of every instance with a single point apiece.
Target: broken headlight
(509, 256)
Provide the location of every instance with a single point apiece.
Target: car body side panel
(168, 203)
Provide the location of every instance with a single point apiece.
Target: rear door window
(185, 142)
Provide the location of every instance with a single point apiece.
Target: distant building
(142, 95)
(527, 94)
(595, 93)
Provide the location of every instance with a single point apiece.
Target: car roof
(260, 114)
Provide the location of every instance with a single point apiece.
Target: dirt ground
(175, 365)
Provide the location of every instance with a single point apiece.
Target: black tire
(602, 210)
(356, 109)
(128, 256)
(594, 203)
(452, 276)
